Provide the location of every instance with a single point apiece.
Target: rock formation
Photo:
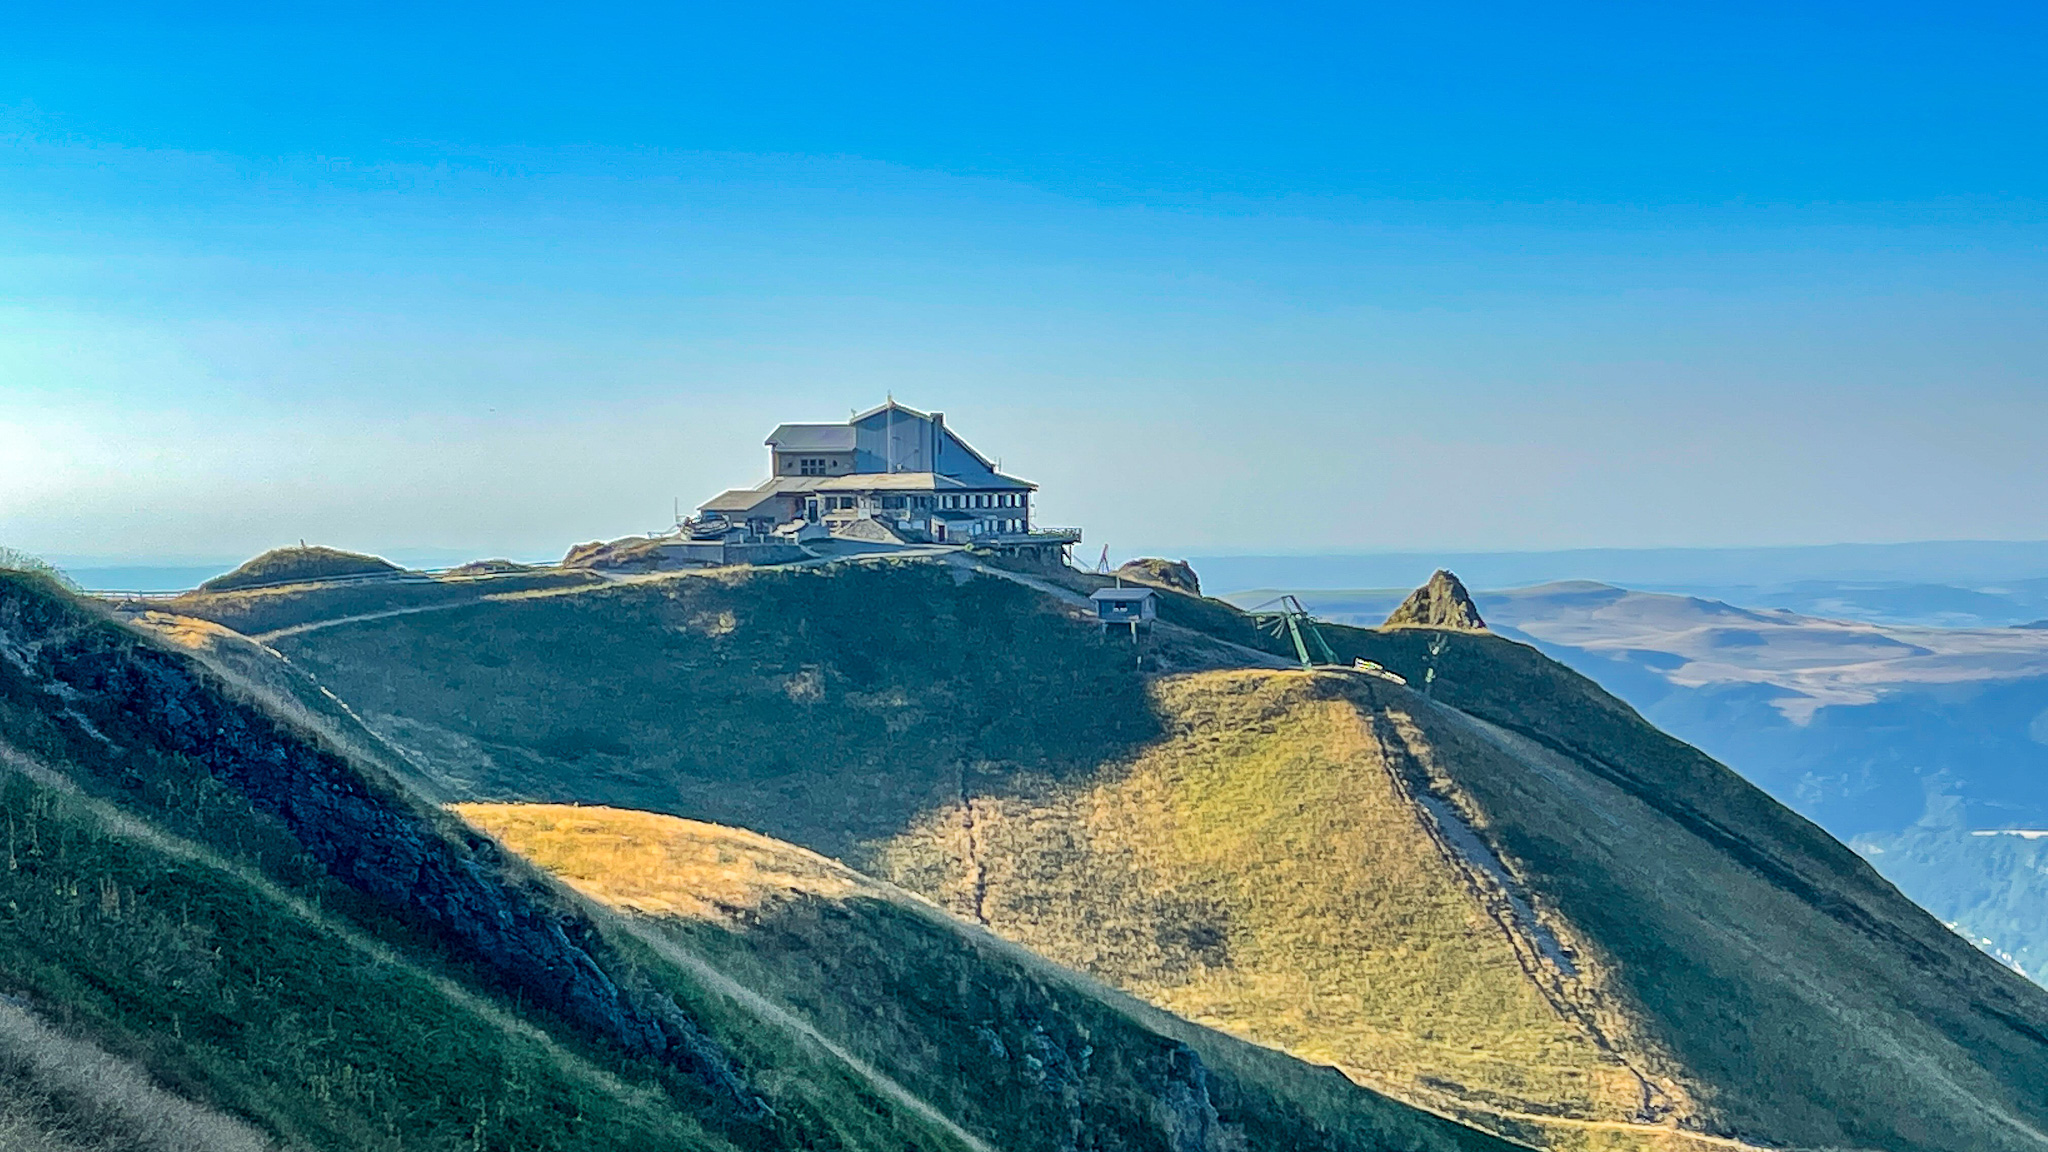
(1441, 603)
(1175, 574)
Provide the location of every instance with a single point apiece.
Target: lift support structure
(1285, 619)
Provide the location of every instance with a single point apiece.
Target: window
(892, 502)
(811, 465)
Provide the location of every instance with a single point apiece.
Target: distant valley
(1909, 741)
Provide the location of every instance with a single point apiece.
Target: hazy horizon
(1708, 571)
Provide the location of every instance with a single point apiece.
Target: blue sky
(1221, 278)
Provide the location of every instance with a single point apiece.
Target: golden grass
(1231, 846)
(662, 865)
(1260, 872)
(187, 632)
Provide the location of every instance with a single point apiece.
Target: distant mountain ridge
(1735, 574)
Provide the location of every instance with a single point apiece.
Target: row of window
(952, 500)
(984, 500)
(812, 465)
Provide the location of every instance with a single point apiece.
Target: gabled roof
(812, 437)
(892, 406)
(887, 406)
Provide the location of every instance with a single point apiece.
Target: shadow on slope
(824, 707)
(273, 931)
(1029, 1055)
(1526, 906)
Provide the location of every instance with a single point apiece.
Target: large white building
(891, 472)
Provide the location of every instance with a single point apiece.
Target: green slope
(1039, 1056)
(1516, 902)
(214, 883)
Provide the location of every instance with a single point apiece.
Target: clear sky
(433, 279)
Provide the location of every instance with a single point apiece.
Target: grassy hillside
(1029, 1055)
(299, 565)
(246, 933)
(1517, 903)
(1262, 870)
(257, 607)
(828, 708)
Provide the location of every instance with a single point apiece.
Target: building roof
(892, 406)
(739, 499)
(916, 482)
(812, 437)
(1122, 594)
(884, 407)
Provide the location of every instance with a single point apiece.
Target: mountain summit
(1441, 603)
(228, 921)
(1509, 901)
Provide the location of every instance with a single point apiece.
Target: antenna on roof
(1102, 565)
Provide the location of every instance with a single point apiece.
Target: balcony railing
(1039, 535)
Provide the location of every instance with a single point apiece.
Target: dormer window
(811, 466)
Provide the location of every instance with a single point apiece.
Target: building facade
(891, 473)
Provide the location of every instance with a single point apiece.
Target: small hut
(1132, 606)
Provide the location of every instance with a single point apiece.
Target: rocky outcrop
(1441, 603)
(1187, 1114)
(1175, 574)
(362, 830)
